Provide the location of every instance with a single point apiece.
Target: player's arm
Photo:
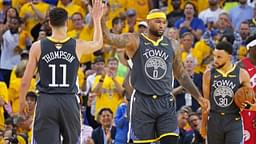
(129, 41)
(206, 93)
(240, 64)
(28, 74)
(87, 47)
(244, 78)
(184, 79)
(245, 81)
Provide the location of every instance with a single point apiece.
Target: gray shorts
(56, 115)
(224, 129)
(153, 117)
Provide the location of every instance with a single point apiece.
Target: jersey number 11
(64, 76)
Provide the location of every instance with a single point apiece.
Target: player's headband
(155, 15)
(251, 44)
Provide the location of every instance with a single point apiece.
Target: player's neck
(152, 37)
(226, 68)
(59, 33)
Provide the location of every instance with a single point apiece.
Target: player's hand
(203, 132)
(97, 10)
(249, 105)
(89, 141)
(205, 104)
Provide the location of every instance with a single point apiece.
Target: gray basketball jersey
(222, 90)
(58, 66)
(152, 67)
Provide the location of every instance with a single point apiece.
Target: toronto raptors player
(249, 115)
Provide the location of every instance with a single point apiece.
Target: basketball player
(249, 115)
(156, 61)
(57, 59)
(219, 85)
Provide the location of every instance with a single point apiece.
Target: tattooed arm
(184, 79)
(206, 93)
(181, 74)
(129, 41)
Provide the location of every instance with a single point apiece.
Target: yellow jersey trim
(57, 41)
(228, 72)
(156, 139)
(155, 43)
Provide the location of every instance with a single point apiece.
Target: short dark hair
(245, 22)
(77, 13)
(112, 59)
(105, 109)
(193, 114)
(58, 17)
(116, 20)
(226, 46)
(32, 95)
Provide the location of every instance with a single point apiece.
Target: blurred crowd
(103, 77)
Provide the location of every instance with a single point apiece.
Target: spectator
(70, 7)
(132, 25)
(97, 69)
(78, 25)
(3, 101)
(86, 133)
(141, 7)
(195, 123)
(185, 136)
(190, 22)
(108, 87)
(143, 27)
(252, 22)
(104, 134)
(187, 41)
(15, 85)
(5, 6)
(172, 33)
(240, 13)
(244, 31)
(176, 14)
(122, 123)
(9, 43)
(90, 111)
(182, 97)
(33, 12)
(212, 13)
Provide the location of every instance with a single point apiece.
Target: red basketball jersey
(249, 116)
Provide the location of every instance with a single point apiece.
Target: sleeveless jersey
(152, 66)
(249, 116)
(58, 66)
(222, 90)
(251, 69)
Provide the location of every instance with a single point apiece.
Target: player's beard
(155, 33)
(220, 66)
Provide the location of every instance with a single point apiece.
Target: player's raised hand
(97, 10)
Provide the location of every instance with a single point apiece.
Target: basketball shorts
(224, 129)
(153, 117)
(56, 116)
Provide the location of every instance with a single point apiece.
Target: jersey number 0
(64, 76)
